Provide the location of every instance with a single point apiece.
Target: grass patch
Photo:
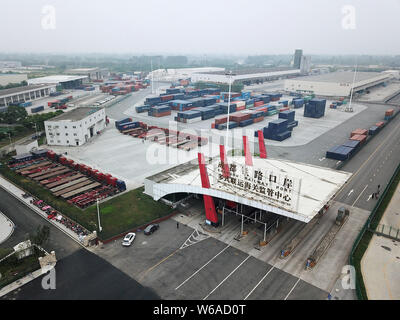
(17, 135)
(119, 214)
(362, 246)
(5, 252)
(12, 269)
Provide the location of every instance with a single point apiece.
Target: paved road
(80, 274)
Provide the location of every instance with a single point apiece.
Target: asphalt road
(80, 274)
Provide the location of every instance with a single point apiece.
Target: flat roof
(341, 76)
(76, 114)
(316, 185)
(251, 71)
(56, 79)
(6, 92)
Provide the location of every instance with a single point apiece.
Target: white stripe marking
(292, 289)
(359, 196)
(226, 278)
(259, 283)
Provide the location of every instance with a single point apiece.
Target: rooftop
(6, 92)
(342, 77)
(251, 71)
(76, 114)
(56, 79)
(313, 186)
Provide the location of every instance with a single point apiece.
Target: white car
(128, 239)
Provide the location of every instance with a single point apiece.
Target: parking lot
(186, 263)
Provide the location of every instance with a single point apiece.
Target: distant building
(10, 64)
(336, 84)
(76, 127)
(305, 65)
(25, 93)
(91, 73)
(7, 78)
(297, 58)
(65, 81)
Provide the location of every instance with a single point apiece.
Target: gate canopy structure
(284, 187)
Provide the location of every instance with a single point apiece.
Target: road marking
(322, 159)
(157, 264)
(359, 196)
(369, 198)
(203, 266)
(226, 277)
(351, 191)
(292, 289)
(259, 283)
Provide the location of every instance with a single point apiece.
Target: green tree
(13, 115)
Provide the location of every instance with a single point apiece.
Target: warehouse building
(7, 78)
(336, 84)
(91, 73)
(76, 127)
(65, 81)
(245, 76)
(25, 93)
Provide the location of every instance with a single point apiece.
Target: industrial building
(25, 93)
(76, 127)
(297, 58)
(91, 73)
(181, 73)
(7, 78)
(246, 76)
(336, 84)
(65, 81)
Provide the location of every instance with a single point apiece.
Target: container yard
(76, 183)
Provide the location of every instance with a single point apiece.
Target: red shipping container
(359, 137)
(238, 117)
(221, 120)
(284, 109)
(359, 132)
(258, 103)
(380, 124)
(255, 120)
(240, 108)
(212, 125)
(389, 112)
(163, 114)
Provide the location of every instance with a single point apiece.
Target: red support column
(209, 206)
(247, 153)
(261, 144)
(225, 167)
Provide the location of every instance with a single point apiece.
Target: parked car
(150, 229)
(128, 239)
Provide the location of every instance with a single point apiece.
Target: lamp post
(98, 214)
(229, 107)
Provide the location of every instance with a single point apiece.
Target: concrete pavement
(6, 228)
(380, 265)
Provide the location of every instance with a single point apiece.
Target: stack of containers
(380, 124)
(197, 102)
(246, 95)
(129, 125)
(359, 132)
(275, 96)
(181, 105)
(206, 112)
(239, 116)
(298, 103)
(173, 90)
(153, 101)
(271, 110)
(208, 101)
(285, 103)
(224, 107)
(217, 109)
(141, 109)
(315, 108)
(219, 121)
(258, 103)
(159, 111)
(120, 122)
(249, 103)
(277, 130)
(340, 153)
(230, 125)
(373, 130)
(178, 96)
(166, 97)
(359, 137)
(240, 105)
(25, 104)
(190, 116)
(289, 116)
(389, 114)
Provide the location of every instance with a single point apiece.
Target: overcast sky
(200, 26)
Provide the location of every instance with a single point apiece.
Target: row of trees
(14, 85)
(236, 87)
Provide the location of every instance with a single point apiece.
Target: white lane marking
(369, 198)
(322, 159)
(259, 283)
(292, 289)
(351, 191)
(359, 196)
(226, 278)
(338, 162)
(202, 267)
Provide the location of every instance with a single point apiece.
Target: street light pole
(229, 107)
(98, 214)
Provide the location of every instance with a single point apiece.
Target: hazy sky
(200, 26)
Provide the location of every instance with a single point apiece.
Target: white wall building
(336, 84)
(76, 127)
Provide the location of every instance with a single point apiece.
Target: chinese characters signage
(272, 187)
